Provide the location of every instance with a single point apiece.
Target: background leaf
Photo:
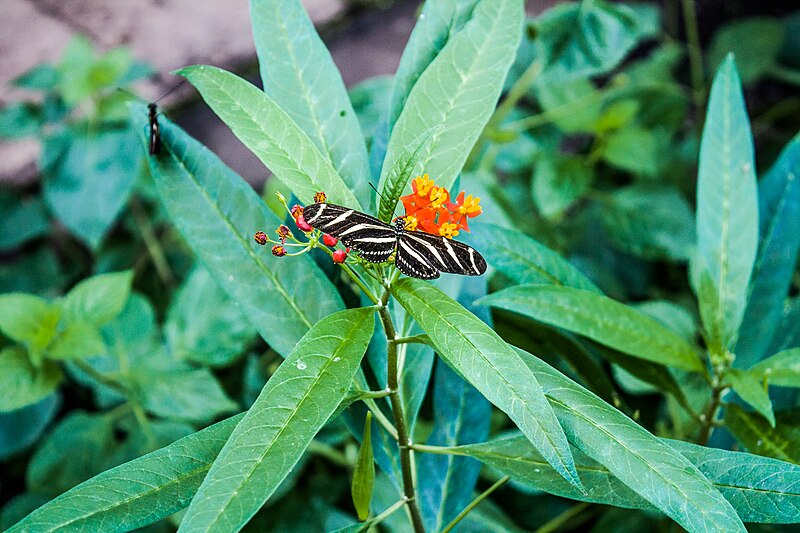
(727, 213)
(22, 427)
(271, 134)
(99, 299)
(781, 369)
(296, 402)
(601, 319)
(22, 382)
(779, 210)
(298, 73)
(217, 213)
(458, 91)
(755, 42)
(754, 432)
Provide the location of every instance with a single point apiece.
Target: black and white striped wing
(423, 255)
(374, 239)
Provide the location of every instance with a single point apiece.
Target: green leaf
(782, 369)
(779, 210)
(582, 40)
(184, 394)
(759, 489)
(401, 173)
(271, 134)
(752, 391)
(296, 402)
(573, 105)
(89, 182)
(23, 220)
(601, 319)
(23, 384)
(558, 182)
(754, 432)
(755, 42)
(137, 493)
(78, 339)
(299, 74)
(22, 427)
(483, 359)
(458, 91)
(651, 468)
(632, 148)
(42, 77)
(29, 320)
(727, 212)
(99, 299)
(18, 120)
(204, 325)
(525, 260)
(652, 223)
(74, 451)
(364, 473)
(217, 213)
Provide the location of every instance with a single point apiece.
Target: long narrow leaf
(727, 211)
(217, 213)
(270, 133)
(459, 90)
(601, 319)
(401, 172)
(649, 467)
(295, 403)
(482, 358)
(298, 73)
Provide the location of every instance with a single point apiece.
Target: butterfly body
(154, 147)
(417, 254)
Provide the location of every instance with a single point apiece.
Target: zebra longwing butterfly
(154, 146)
(419, 254)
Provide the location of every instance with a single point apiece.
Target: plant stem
(485, 494)
(154, 248)
(357, 280)
(561, 519)
(695, 52)
(403, 440)
(708, 417)
(413, 339)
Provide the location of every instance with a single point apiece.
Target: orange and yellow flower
(428, 208)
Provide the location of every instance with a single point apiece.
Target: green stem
(707, 419)
(388, 512)
(101, 378)
(357, 280)
(151, 242)
(695, 51)
(332, 454)
(403, 439)
(474, 503)
(563, 518)
(413, 339)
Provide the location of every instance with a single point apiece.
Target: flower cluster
(284, 233)
(429, 208)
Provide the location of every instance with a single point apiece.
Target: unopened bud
(329, 240)
(278, 250)
(339, 256)
(303, 225)
(260, 237)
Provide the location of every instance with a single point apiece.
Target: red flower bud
(329, 240)
(278, 250)
(303, 225)
(339, 256)
(260, 237)
(320, 198)
(297, 211)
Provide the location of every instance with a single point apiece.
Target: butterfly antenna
(173, 89)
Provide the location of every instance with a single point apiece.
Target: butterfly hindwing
(446, 255)
(374, 239)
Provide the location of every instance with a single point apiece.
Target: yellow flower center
(411, 222)
(448, 230)
(438, 197)
(424, 185)
(470, 206)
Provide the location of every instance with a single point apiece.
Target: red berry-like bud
(329, 240)
(283, 231)
(278, 250)
(339, 256)
(297, 211)
(320, 198)
(303, 225)
(260, 237)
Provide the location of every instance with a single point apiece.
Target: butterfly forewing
(419, 254)
(373, 238)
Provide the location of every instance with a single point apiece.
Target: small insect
(154, 147)
(418, 254)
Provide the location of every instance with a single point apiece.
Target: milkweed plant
(454, 403)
